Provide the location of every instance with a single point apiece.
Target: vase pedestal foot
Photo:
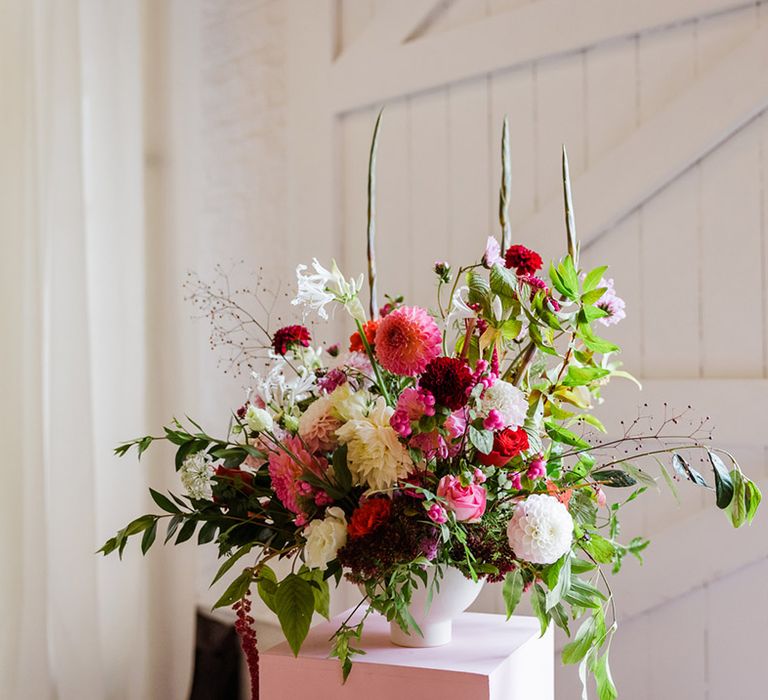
(435, 634)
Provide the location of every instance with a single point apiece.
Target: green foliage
(512, 590)
(294, 605)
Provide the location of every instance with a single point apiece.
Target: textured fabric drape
(89, 284)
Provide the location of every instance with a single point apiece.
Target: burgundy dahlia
(290, 336)
(448, 379)
(524, 260)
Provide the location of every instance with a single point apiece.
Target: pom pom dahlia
(406, 340)
(540, 530)
(375, 455)
(508, 401)
(524, 260)
(448, 379)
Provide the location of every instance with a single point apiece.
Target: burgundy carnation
(289, 336)
(524, 260)
(506, 444)
(448, 379)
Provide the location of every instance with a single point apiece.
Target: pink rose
(467, 502)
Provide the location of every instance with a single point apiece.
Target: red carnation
(369, 516)
(289, 336)
(524, 260)
(506, 444)
(448, 379)
(356, 342)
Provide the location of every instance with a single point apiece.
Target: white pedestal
(488, 659)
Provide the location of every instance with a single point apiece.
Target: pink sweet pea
(467, 502)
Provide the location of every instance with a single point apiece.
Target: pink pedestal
(488, 659)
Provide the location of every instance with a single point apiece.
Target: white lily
(458, 311)
(324, 286)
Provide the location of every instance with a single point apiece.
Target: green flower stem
(376, 370)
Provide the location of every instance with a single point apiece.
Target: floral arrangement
(459, 437)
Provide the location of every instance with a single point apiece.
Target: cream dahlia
(375, 455)
(507, 400)
(540, 530)
(406, 340)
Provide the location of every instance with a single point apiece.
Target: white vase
(435, 620)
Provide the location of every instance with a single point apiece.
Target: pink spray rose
(437, 513)
(467, 502)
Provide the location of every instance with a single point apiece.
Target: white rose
(325, 538)
(258, 419)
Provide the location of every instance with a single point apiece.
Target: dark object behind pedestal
(217, 661)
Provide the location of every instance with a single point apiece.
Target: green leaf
(207, 532)
(164, 502)
(503, 281)
(294, 604)
(606, 690)
(723, 482)
(231, 561)
(266, 585)
(173, 524)
(512, 590)
(481, 439)
(559, 434)
(321, 592)
(539, 606)
(139, 525)
(737, 510)
(752, 499)
(602, 550)
(581, 566)
(236, 590)
(593, 278)
(579, 376)
(341, 469)
(148, 538)
(592, 296)
(593, 342)
(575, 651)
(684, 469)
(615, 478)
(511, 329)
(558, 581)
(557, 280)
(569, 277)
(187, 530)
(584, 595)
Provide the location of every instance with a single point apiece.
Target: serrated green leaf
(266, 585)
(503, 282)
(294, 604)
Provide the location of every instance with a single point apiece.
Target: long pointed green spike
(373, 306)
(506, 187)
(570, 226)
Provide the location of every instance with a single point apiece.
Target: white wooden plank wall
(691, 261)
(680, 259)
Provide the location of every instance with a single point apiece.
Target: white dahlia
(540, 530)
(508, 400)
(195, 474)
(375, 455)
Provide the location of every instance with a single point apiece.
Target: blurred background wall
(660, 105)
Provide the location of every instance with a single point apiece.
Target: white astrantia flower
(325, 538)
(508, 400)
(195, 474)
(258, 419)
(458, 309)
(318, 289)
(375, 455)
(541, 529)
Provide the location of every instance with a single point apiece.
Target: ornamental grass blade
(371, 250)
(506, 186)
(570, 225)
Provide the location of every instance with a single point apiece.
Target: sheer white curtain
(90, 262)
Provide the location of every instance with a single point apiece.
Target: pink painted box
(489, 658)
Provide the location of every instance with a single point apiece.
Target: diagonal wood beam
(716, 105)
(374, 72)
(392, 25)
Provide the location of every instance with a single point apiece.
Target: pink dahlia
(432, 444)
(286, 472)
(412, 404)
(406, 340)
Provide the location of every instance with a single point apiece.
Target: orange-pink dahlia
(406, 340)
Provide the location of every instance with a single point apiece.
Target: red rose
(289, 336)
(369, 516)
(524, 260)
(507, 444)
(356, 342)
(241, 480)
